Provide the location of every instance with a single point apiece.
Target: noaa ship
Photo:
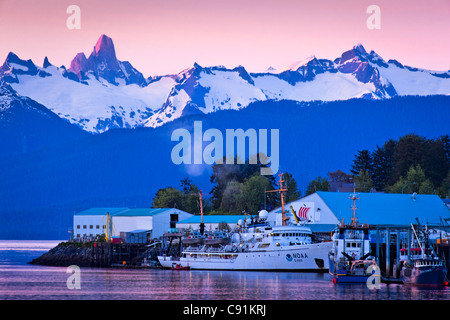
(256, 245)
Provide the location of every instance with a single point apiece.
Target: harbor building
(323, 210)
(93, 222)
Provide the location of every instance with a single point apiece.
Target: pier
(106, 254)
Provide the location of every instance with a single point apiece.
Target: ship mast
(354, 197)
(282, 190)
(202, 225)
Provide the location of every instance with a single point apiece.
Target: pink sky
(167, 36)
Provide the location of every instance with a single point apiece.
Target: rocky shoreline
(83, 255)
(66, 254)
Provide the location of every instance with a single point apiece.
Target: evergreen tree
(363, 182)
(382, 164)
(186, 199)
(225, 173)
(292, 190)
(436, 161)
(444, 189)
(253, 194)
(319, 184)
(409, 152)
(414, 181)
(168, 198)
(231, 196)
(363, 161)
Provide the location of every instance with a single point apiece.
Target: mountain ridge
(100, 92)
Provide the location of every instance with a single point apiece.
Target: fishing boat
(257, 245)
(350, 260)
(423, 267)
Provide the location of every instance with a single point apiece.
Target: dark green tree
(383, 164)
(363, 161)
(363, 182)
(318, 184)
(169, 198)
(186, 199)
(409, 152)
(414, 181)
(292, 189)
(231, 196)
(436, 159)
(253, 194)
(444, 189)
(224, 173)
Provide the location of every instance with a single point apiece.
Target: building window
(84, 226)
(78, 226)
(173, 220)
(97, 226)
(91, 227)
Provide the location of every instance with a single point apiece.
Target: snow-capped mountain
(355, 74)
(26, 125)
(96, 94)
(101, 92)
(103, 63)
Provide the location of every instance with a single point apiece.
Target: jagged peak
(360, 48)
(46, 63)
(300, 63)
(104, 46)
(14, 58)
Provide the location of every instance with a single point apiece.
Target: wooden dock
(105, 254)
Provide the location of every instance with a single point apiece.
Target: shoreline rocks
(66, 254)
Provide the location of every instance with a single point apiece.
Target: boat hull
(350, 279)
(167, 261)
(311, 257)
(424, 276)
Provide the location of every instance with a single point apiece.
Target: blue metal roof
(214, 219)
(123, 211)
(387, 208)
(100, 211)
(142, 212)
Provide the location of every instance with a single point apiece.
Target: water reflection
(21, 281)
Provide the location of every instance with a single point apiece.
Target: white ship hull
(308, 257)
(167, 261)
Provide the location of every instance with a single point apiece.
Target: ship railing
(354, 236)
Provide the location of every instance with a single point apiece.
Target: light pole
(407, 185)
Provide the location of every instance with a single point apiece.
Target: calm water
(20, 281)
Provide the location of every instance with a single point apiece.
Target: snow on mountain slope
(326, 87)
(415, 81)
(95, 106)
(101, 92)
(355, 74)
